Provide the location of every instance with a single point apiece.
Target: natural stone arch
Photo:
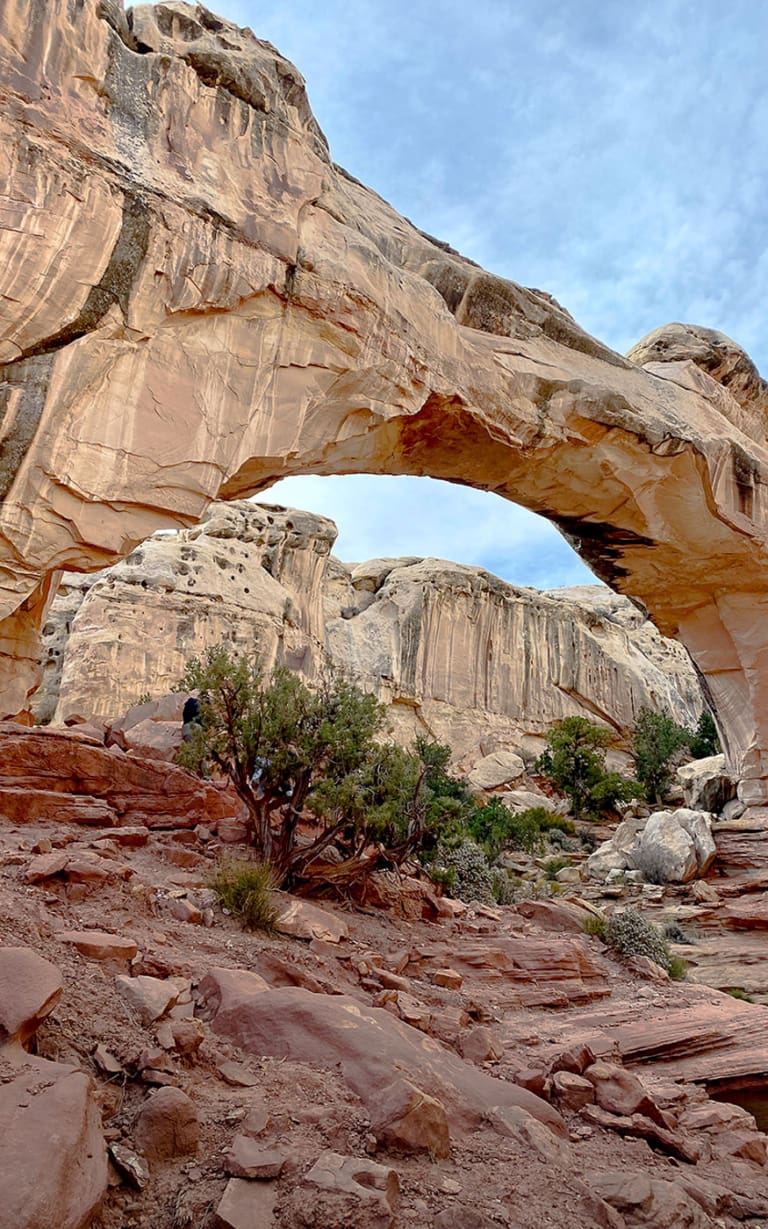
(198, 302)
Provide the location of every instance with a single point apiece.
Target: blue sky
(611, 153)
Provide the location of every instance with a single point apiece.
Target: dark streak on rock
(114, 287)
(600, 545)
(28, 379)
(746, 473)
(28, 376)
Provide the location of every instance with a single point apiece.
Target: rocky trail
(432, 1064)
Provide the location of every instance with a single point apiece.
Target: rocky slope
(484, 1068)
(196, 301)
(452, 650)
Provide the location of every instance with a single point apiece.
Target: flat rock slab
(367, 1043)
(246, 1205)
(46, 866)
(30, 988)
(301, 920)
(150, 997)
(98, 945)
(35, 806)
(249, 1159)
(53, 1163)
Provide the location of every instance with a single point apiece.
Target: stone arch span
(197, 302)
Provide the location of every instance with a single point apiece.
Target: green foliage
(472, 877)
(704, 740)
(289, 749)
(629, 934)
(656, 740)
(742, 995)
(245, 889)
(504, 886)
(677, 968)
(596, 926)
(575, 762)
(553, 865)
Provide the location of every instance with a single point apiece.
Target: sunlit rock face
(249, 577)
(453, 651)
(195, 301)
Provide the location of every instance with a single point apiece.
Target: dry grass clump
(245, 890)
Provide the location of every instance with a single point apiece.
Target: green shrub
(677, 968)
(596, 926)
(553, 865)
(575, 762)
(656, 741)
(704, 740)
(503, 886)
(473, 879)
(629, 934)
(742, 995)
(245, 889)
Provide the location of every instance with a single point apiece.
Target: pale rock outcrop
(453, 650)
(250, 576)
(667, 847)
(196, 302)
(707, 786)
(490, 662)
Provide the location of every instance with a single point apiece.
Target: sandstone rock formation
(452, 650)
(197, 301)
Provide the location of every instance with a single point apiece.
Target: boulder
(53, 1161)
(30, 988)
(675, 846)
(98, 945)
(366, 1043)
(707, 786)
(410, 1120)
(148, 997)
(167, 1125)
(362, 1193)
(571, 1091)
(644, 1200)
(620, 1092)
(495, 770)
(248, 1159)
(301, 920)
(246, 1205)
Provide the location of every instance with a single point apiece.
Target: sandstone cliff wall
(453, 651)
(195, 301)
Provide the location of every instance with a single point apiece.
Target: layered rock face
(196, 301)
(249, 576)
(452, 650)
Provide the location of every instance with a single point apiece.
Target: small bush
(678, 968)
(742, 995)
(675, 935)
(629, 934)
(553, 865)
(503, 886)
(245, 889)
(652, 864)
(596, 926)
(472, 874)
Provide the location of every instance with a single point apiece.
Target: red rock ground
(528, 993)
